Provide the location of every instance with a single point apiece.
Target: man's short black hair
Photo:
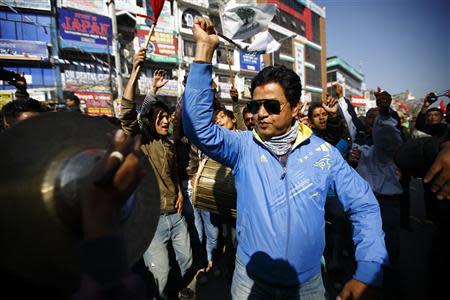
(12, 110)
(227, 112)
(287, 78)
(435, 109)
(245, 111)
(312, 108)
(149, 113)
(383, 94)
(71, 96)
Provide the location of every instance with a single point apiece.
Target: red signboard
(97, 104)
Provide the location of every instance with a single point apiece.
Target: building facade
(75, 48)
(352, 82)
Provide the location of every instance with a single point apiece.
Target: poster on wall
(33, 4)
(250, 62)
(97, 104)
(23, 50)
(88, 32)
(163, 46)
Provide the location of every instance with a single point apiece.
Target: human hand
(426, 103)
(19, 82)
(339, 91)
(358, 290)
(234, 94)
(206, 39)
(158, 80)
(109, 185)
(439, 173)
(331, 106)
(179, 203)
(353, 156)
(139, 58)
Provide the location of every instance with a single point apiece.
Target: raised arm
(216, 142)
(128, 118)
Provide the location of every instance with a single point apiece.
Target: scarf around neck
(280, 145)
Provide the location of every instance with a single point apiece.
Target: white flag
(264, 43)
(242, 21)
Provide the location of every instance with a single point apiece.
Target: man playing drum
(282, 175)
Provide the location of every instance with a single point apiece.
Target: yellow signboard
(5, 97)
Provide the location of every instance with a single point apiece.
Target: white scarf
(280, 145)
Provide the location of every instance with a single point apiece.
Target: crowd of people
(321, 194)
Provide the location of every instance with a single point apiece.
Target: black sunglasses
(272, 106)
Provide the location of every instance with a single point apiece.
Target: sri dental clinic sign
(83, 31)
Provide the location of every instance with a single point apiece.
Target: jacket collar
(304, 133)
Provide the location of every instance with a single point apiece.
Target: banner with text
(250, 62)
(88, 32)
(163, 46)
(97, 104)
(75, 80)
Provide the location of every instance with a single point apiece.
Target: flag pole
(230, 72)
(145, 46)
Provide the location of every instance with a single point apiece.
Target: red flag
(442, 106)
(157, 6)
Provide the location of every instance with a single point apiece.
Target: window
(222, 57)
(24, 27)
(189, 48)
(8, 30)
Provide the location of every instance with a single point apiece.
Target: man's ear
(296, 109)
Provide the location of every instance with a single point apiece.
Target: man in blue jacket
(282, 175)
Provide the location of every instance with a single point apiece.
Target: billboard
(163, 46)
(97, 104)
(250, 62)
(86, 81)
(33, 4)
(81, 30)
(300, 62)
(23, 50)
(169, 89)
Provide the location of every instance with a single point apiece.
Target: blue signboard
(83, 31)
(23, 50)
(250, 62)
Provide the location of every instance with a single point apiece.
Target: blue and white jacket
(280, 210)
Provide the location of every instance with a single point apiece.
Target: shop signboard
(250, 62)
(97, 104)
(300, 62)
(224, 89)
(23, 50)
(163, 46)
(5, 97)
(33, 4)
(169, 89)
(75, 80)
(85, 31)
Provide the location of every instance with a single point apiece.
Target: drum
(214, 189)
